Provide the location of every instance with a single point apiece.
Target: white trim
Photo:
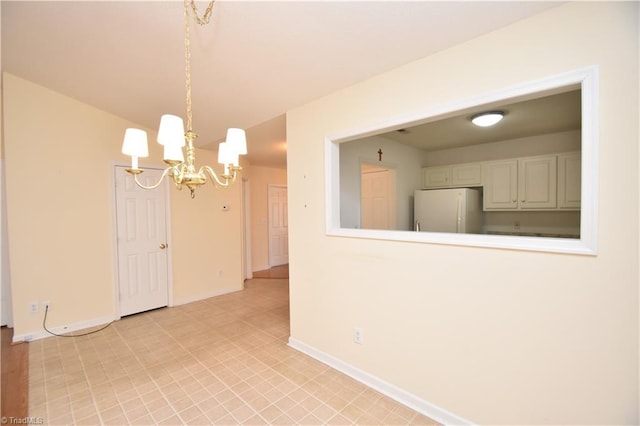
(406, 398)
(261, 268)
(64, 329)
(6, 298)
(588, 242)
(207, 295)
(246, 215)
(114, 236)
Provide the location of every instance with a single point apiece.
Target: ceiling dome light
(486, 119)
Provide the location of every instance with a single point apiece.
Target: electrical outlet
(33, 307)
(46, 306)
(220, 273)
(357, 336)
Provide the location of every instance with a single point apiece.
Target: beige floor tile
(242, 413)
(336, 403)
(339, 419)
(259, 403)
(62, 419)
(84, 411)
(107, 413)
(352, 413)
(215, 412)
(284, 420)
(297, 413)
(161, 413)
(285, 404)
(255, 421)
(190, 413)
(90, 420)
(133, 414)
(173, 420)
(144, 420)
(271, 413)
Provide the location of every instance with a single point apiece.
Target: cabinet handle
(522, 201)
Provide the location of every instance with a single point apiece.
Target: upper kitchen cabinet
(436, 177)
(537, 182)
(500, 185)
(457, 175)
(521, 184)
(569, 181)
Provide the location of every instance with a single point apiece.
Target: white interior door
(377, 198)
(142, 243)
(278, 226)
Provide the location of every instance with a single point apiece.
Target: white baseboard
(428, 409)
(207, 295)
(63, 329)
(41, 334)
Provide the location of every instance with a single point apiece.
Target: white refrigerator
(456, 210)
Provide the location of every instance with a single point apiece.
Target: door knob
(163, 246)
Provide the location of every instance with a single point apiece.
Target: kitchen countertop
(534, 234)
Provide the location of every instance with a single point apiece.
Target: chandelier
(172, 136)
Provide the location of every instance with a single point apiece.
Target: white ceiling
(540, 114)
(255, 61)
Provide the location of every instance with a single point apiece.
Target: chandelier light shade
(135, 145)
(237, 138)
(226, 156)
(171, 131)
(173, 137)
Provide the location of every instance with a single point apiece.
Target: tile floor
(222, 360)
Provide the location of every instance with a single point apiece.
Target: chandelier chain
(187, 48)
(187, 60)
(207, 13)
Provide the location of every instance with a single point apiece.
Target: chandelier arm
(155, 185)
(216, 180)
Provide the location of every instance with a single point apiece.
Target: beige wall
(493, 336)
(59, 155)
(259, 179)
(207, 240)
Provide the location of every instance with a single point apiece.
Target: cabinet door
(569, 180)
(500, 185)
(436, 177)
(466, 174)
(537, 182)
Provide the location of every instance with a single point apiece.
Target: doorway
(142, 244)
(278, 225)
(377, 197)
